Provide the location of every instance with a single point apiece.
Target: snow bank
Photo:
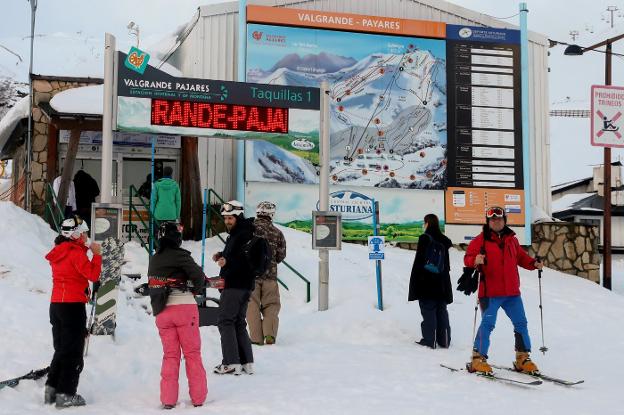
(351, 359)
(12, 118)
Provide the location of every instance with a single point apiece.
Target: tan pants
(263, 310)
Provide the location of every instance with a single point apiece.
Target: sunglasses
(495, 212)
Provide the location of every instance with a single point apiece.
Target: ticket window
(136, 170)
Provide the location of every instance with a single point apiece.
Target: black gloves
(468, 282)
(96, 286)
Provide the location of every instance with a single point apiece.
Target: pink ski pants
(178, 326)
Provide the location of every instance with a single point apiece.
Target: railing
(132, 209)
(53, 212)
(210, 211)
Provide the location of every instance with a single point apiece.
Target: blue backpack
(435, 257)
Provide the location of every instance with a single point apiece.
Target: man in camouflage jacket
(264, 304)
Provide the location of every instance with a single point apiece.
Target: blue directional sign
(376, 246)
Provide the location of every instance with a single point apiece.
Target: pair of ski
(538, 377)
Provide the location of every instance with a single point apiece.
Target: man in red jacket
(497, 251)
(71, 272)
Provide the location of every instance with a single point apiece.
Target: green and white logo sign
(137, 60)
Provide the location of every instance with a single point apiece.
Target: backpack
(258, 254)
(435, 257)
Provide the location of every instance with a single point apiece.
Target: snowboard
(104, 321)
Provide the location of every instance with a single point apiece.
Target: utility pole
(612, 9)
(28, 187)
(606, 244)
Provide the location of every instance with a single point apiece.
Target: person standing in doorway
(69, 207)
(87, 190)
(498, 253)
(167, 200)
(238, 277)
(430, 284)
(264, 305)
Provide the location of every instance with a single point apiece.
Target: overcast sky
(81, 24)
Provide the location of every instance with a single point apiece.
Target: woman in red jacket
(71, 272)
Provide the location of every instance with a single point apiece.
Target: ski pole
(90, 322)
(543, 349)
(474, 322)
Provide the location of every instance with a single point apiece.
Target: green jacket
(167, 201)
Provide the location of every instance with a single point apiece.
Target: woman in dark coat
(432, 290)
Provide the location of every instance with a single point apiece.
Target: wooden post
(68, 166)
(191, 215)
(53, 137)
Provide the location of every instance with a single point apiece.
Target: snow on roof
(89, 99)
(568, 184)
(83, 100)
(12, 118)
(567, 201)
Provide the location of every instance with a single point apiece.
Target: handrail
(210, 209)
(132, 208)
(51, 203)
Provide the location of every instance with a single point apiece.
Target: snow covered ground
(351, 359)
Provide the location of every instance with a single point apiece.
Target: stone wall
(44, 89)
(568, 247)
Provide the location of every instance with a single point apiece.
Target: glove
(469, 281)
(142, 289)
(96, 286)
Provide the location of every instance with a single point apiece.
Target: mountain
(324, 62)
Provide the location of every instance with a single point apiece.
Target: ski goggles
(230, 208)
(495, 212)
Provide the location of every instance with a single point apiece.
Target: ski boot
(524, 364)
(269, 340)
(168, 406)
(49, 395)
(64, 400)
(248, 368)
(234, 369)
(479, 364)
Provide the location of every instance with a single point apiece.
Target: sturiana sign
(352, 205)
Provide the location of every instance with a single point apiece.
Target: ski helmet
(495, 212)
(266, 208)
(171, 231)
(232, 208)
(73, 227)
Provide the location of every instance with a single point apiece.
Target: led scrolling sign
(219, 116)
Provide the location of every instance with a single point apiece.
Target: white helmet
(232, 208)
(266, 208)
(73, 227)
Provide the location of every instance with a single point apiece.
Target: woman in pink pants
(177, 317)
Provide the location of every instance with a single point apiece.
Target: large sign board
(156, 102)
(607, 121)
(387, 94)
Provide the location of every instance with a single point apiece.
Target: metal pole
(606, 244)
(323, 302)
(376, 229)
(204, 228)
(27, 193)
(526, 145)
(151, 206)
(107, 119)
(240, 144)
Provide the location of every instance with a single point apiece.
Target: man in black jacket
(239, 279)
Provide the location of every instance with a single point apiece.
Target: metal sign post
(323, 301)
(376, 252)
(107, 119)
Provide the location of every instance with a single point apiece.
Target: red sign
(179, 113)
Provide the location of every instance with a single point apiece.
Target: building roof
(586, 204)
(562, 187)
(12, 119)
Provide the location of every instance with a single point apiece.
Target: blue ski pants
(514, 309)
